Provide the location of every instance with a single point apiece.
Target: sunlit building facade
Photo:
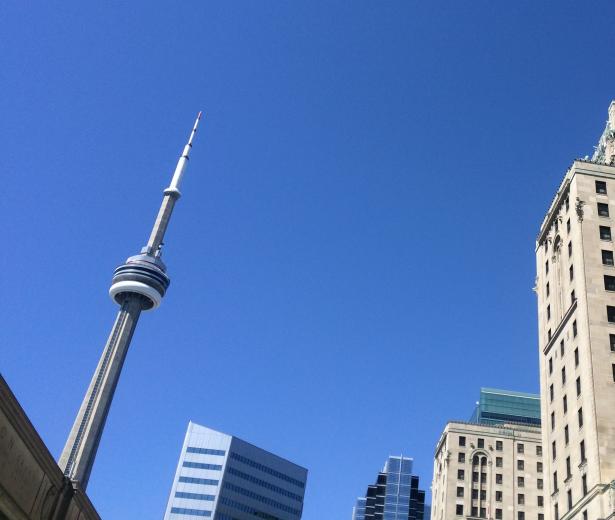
(224, 478)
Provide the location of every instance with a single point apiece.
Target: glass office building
(394, 496)
(504, 406)
(224, 478)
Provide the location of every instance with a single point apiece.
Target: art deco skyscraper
(575, 285)
(138, 285)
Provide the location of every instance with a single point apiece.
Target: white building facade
(575, 285)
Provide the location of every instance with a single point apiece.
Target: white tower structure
(137, 285)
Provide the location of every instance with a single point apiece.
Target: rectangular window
(578, 386)
(610, 313)
(549, 312)
(462, 440)
(499, 446)
(551, 392)
(571, 272)
(461, 457)
(609, 282)
(582, 451)
(561, 347)
(498, 496)
(568, 468)
(601, 187)
(459, 509)
(521, 514)
(605, 233)
(553, 450)
(547, 289)
(539, 450)
(603, 209)
(483, 512)
(567, 204)
(520, 482)
(475, 476)
(574, 328)
(498, 478)
(613, 367)
(521, 498)
(498, 462)
(607, 257)
(547, 267)
(569, 249)
(549, 334)
(585, 515)
(563, 375)
(565, 404)
(460, 491)
(612, 342)
(539, 467)
(520, 448)
(576, 357)
(498, 514)
(520, 464)
(483, 494)
(550, 365)
(556, 512)
(481, 443)
(580, 415)
(475, 494)
(568, 225)
(566, 435)
(541, 501)
(584, 484)
(474, 511)
(569, 499)
(539, 483)
(460, 474)
(555, 481)
(552, 420)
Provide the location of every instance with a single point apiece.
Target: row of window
(204, 481)
(499, 478)
(482, 513)
(190, 512)
(195, 496)
(205, 451)
(261, 498)
(201, 465)
(499, 445)
(246, 509)
(262, 483)
(266, 469)
(569, 469)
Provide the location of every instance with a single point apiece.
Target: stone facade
(489, 471)
(575, 285)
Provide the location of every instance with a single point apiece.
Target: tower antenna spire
(138, 285)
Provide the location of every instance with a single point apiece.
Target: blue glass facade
(225, 478)
(504, 406)
(394, 496)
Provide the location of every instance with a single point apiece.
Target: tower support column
(80, 451)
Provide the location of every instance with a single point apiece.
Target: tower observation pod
(137, 285)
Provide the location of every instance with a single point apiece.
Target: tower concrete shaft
(139, 284)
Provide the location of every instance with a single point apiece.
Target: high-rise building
(575, 285)
(492, 467)
(138, 285)
(224, 478)
(394, 496)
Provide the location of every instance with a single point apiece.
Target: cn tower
(137, 285)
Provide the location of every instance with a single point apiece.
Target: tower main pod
(137, 285)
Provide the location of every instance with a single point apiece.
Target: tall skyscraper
(575, 285)
(492, 467)
(224, 478)
(394, 496)
(138, 285)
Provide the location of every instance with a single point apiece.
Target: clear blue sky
(357, 224)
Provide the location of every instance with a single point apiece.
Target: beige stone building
(490, 468)
(575, 285)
